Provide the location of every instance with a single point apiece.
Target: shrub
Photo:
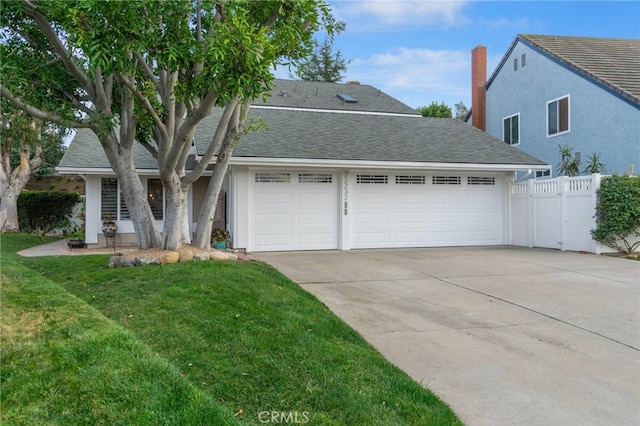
(618, 213)
(42, 211)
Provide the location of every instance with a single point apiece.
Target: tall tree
(150, 71)
(461, 111)
(437, 110)
(323, 64)
(18, 132)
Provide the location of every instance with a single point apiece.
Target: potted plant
(219, 238)
(109, 227)
(76, 239)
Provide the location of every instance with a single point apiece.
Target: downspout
(529, 171)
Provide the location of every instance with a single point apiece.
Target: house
(341, 166)
(551, 91)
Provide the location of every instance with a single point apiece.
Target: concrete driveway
(504, 335)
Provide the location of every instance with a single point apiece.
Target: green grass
(236, 334)
(65, 363)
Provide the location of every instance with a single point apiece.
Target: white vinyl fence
(555, 213)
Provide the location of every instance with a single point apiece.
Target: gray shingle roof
(333, 136)
(611, 62)
(320, 95)
(352, 132)
(85, 152)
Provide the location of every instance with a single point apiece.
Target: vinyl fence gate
(555, 213)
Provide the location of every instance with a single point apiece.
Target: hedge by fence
(618, 213)
(43, 211)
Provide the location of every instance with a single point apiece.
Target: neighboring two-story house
(552, 91)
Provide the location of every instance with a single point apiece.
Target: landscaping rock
(143, 261)
(186, 255)
(169, 257)
(218, 255)
(201, 256)
(119, 261)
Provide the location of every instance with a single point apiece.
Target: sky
(420, 51)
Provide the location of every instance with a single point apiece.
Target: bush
(42, 211)
(618, 213)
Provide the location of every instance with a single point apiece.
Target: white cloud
(380, 14)
(417, 76)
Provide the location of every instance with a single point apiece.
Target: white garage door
(294, 210)
(419, 210)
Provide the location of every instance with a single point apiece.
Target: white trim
(355, 164)
(335, 111)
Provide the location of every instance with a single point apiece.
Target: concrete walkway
(59, 248)
(504, 335)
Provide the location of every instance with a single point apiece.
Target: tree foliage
(594, 164)
(618, 213)
(323, 64)
(569, 163)
(461, 111)
(437, 110)
(27, 148)
(150, 71)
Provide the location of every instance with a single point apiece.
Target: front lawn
(239, 334)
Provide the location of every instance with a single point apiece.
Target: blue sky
(419, 51)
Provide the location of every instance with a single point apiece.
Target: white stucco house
(341, 166)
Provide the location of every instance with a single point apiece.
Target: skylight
(347, 98)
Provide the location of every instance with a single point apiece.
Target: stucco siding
(600, 122)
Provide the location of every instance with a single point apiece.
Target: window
(155, 196)
(523, 59)
(481, 180)
(315, 178)
(111, 200)
(543, 173)
(515, 64)
(410, 179)
(372, 179)
(558, 116)
(273, 178)
(511, 129)
(446, 180)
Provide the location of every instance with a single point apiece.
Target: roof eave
(367, 164)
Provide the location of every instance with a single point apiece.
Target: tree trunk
(11, 184)
(173, 235)
(9, 212)
(134, 193)
(202, 237)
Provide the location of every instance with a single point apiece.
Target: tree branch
(73, 68)
(42, 115)
(145, 103)
(148, 72)
(216, 142)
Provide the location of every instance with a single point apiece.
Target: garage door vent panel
(315, 178)
(273, 177)
(481, 180)
(446, 180)
(375, 179)
(410, 179)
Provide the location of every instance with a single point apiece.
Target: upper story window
(511, 129)
(558, 116)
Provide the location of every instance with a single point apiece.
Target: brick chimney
(478, 92)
